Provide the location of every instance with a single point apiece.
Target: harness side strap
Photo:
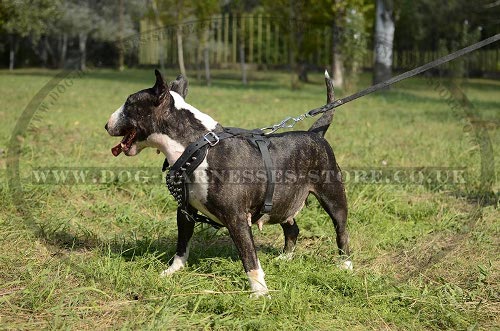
(271, 176)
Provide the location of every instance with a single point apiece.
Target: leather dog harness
(178, 176)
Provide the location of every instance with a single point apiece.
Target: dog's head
(140, 116)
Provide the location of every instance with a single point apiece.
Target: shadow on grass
(206, 243)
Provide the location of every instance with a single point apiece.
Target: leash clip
(212, 135)
(288, 122)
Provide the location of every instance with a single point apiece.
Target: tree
(84, 19)
(173, 11)
(293, 16)
(23, 18)
(180, 12)
(238, 8)
(332, 12)
(383, 41)
(157, 18)
(204, 10)
(348, 29)
(116, 22)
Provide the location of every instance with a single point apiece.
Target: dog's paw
(346, 265)
(284, 257)
(260, 294)
(168, 272)
(178, 263)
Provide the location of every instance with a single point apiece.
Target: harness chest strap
(178, 175)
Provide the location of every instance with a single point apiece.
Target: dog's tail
(322, 123)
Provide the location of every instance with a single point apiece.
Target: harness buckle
(211, 135)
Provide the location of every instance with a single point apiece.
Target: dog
(159, 117)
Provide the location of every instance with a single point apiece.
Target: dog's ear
(180, 85)
(160, 89)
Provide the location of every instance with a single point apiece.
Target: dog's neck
(182, 125)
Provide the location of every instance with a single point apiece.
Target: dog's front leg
(185, 228)
(242, 237)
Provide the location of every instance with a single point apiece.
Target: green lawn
(89, 256)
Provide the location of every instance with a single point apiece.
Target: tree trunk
(64, 48)
(241, 49)
(48, 52)
(12, 51)
(121, 50)
(292, 58)
(337, 61)
(158, 25)
(180, 51)
(384, 36)
(199, 51)
(206, 58)
(303, 68)
(82, 43)
(242, 63)
(43, 55)
(207, 66)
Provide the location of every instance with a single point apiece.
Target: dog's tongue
(125, 144)
(117, 149)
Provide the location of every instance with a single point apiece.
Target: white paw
(257, 283)
(285, 257)
(178, 263)
(260, 294)
(347, 265)
(168, 272)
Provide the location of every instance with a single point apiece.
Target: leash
(290, 122)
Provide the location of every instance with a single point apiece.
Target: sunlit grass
(425, 257)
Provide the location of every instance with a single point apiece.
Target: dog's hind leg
(185, 228)
(332, 198)
(291, 232)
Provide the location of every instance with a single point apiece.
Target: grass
(425, 256)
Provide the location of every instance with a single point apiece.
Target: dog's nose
(106, 127)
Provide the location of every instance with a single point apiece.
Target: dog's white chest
(198, 190)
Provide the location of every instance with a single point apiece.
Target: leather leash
(289, 122)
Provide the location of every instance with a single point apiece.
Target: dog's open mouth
(125, 144)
